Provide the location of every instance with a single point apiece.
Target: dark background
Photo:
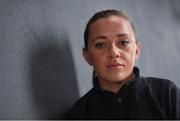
(42, 72)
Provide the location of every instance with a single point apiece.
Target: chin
(116, 79)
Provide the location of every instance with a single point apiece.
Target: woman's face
(112, 49)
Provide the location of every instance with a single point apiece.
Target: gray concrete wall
(42, 72)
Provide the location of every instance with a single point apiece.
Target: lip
(113, 66)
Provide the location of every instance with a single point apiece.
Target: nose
(114, 51)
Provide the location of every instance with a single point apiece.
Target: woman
(119, 92)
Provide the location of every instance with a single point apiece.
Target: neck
(113, 86)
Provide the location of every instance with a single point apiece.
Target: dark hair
(104, 14)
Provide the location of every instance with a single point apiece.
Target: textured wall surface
(42, 72)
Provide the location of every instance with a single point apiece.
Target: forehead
(110, 25)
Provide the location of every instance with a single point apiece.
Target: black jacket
(141, 98)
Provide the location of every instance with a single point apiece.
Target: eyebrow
(99, 37)
(105, 37)
(122, 35)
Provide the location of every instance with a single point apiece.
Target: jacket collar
(129, 84)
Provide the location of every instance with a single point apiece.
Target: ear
(138, 49)
(87, 56)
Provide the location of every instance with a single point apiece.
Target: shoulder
(155, 82)
(160, 89)
(79, 108)
(157, 87)
(85, 98)
(164, 93)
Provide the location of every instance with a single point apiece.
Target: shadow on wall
(53, 80)
(175, 8)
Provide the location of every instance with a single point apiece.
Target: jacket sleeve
(174, 101)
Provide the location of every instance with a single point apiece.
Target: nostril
(113, 54)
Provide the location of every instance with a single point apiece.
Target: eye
(100, 45)
(123, 42)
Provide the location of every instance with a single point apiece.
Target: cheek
(130, 55)
(98, 58)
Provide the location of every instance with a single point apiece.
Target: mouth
(114, 66)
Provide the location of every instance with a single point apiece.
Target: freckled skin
(112, 50)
